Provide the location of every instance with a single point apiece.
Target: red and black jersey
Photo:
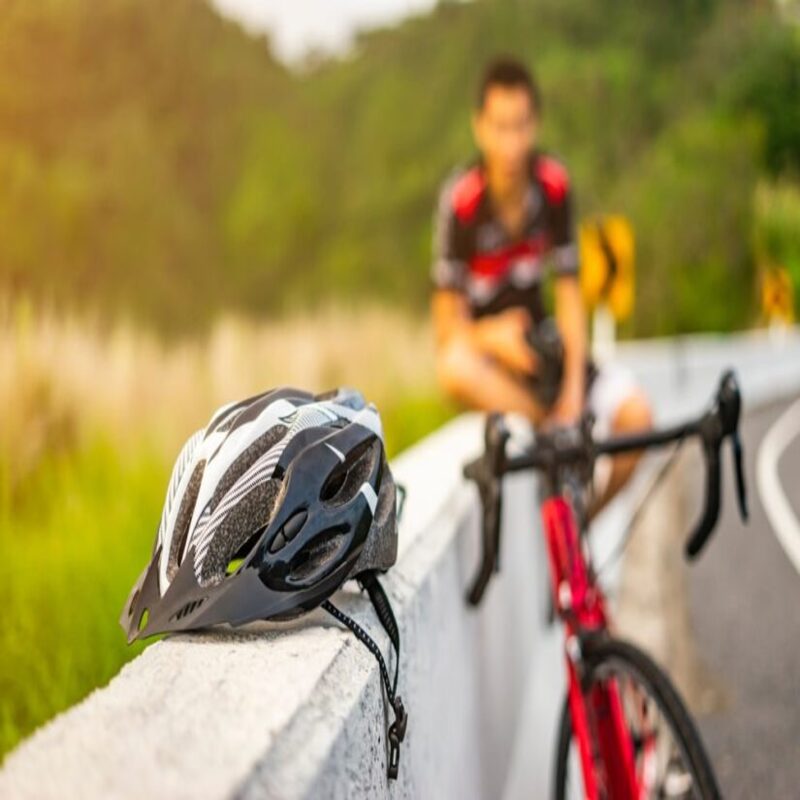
(474, 254)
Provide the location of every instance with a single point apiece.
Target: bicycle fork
(599, 727)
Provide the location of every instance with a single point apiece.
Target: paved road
(745, 607)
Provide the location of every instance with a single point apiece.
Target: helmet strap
(397, 730)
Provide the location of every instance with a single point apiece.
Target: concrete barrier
(279, 711)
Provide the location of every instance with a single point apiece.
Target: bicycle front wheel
(669, 758)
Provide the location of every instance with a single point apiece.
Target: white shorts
(612, 386)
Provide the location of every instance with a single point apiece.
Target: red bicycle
(624, 733)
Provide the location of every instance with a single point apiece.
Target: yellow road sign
(607, 253)
(777, 295)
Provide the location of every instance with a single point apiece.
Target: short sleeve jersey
(475, 255)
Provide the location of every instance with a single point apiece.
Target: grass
(91, 425)
(411, 417)
(75, 543)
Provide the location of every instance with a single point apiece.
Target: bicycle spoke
(661, 767)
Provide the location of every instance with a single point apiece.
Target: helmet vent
(181, 529)
(239, 531)
(132, 603)
(346, 478)
(289, 530)
(188, 608)
(380, 549)
(144, 618)
(319, 554)
(245, 460)
(224, 419)
(225, 426)
(333, 486)
(233, 565)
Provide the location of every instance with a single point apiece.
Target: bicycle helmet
(280, 499)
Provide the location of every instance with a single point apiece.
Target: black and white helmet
(270, 508)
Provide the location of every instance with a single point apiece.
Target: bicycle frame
(599, 725)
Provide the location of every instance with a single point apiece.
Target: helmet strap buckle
(397, 730)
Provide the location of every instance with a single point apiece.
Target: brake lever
(717, 425)
(730, 410)
(741, 485)
(703, 529)
(486, 471)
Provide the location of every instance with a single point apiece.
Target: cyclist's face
(505, 129)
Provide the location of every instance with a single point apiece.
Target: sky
(297, 26)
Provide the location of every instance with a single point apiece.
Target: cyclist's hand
(503, 336)
(567, 410)
(564, 415)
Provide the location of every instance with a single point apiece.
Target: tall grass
(75, 542)
(93, 418)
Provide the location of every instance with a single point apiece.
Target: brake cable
(629, 529)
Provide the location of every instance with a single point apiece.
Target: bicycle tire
(604, 653)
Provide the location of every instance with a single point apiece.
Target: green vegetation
(412, 416)
(777, 227)
(157, 161)
(70, 549)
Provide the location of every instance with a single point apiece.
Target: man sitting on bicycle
(501, 225)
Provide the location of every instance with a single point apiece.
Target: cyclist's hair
(508, 72)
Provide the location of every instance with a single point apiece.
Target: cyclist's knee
(634, 413)
(456, 365)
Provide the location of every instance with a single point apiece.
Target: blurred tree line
(157, 161)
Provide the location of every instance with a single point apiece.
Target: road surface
(744, 600)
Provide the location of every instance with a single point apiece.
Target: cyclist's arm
(569, 308)
(449, 305)
(501, 336)
(571, 321)
(450, 315)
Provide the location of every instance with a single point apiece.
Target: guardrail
(295, 711)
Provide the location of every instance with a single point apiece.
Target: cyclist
(502, 224)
